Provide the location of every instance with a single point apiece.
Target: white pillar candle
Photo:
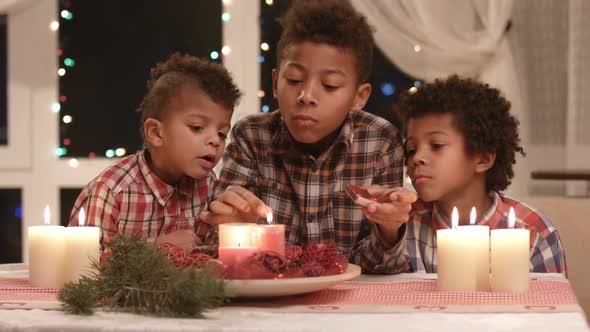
(82, 245)
(46, 254)
(510, 258)
(461, 258)
(478, 242)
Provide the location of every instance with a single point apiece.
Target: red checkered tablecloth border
(18, 289)
(424, 293)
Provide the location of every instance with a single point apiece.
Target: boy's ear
(274, 82)
(362, 95)
(485, 161)
(152, 131)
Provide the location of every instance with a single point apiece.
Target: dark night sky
(114, 44)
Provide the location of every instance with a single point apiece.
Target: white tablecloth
(247, 319)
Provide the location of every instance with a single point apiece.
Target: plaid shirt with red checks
(547, 254)
(128, 198)
(307, 194)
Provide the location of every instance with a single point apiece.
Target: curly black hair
(166, 79)
(332, 22)
(481, 113)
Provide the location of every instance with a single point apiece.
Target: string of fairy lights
(265, 59)
(65, 64)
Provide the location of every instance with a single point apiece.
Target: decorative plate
(288, 286)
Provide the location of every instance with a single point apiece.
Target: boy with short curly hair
(160, 191)
(461, 144)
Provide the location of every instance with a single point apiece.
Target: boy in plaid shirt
(461, 142)
(298, 160)
(159, 192)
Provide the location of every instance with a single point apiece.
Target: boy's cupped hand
(236, 204)
(392, 209)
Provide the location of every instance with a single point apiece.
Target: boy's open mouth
(209, 158)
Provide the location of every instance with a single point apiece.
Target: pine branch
(139, 278)
(78, 298)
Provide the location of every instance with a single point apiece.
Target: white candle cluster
(60, 254)
(463, 257)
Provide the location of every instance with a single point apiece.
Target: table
(246, 317)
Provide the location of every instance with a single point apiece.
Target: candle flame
(511, 218)
(269, 217)
(47, 215)
(455, 218)
(472, 216)
(81, 217)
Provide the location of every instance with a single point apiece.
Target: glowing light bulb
(55, 107)
(73, 163)
(120, 152)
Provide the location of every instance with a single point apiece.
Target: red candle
(271, 238)
(236, 242)
(233, 255)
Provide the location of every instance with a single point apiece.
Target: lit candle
(46, 254)
(236, 242)
(510, 258)
(457, 261)
(270, 237)
(82, 246)
(479, 243)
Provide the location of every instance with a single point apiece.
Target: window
(10, 225)
(105, 53)
(67, 198)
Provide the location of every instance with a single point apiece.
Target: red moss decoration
(315, 260)
(182, 258)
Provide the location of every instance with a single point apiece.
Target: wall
(571, 216)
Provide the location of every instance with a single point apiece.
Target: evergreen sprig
(138, 278)
(78, 298)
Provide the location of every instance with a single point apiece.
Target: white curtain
(552, 50)
(430, 39)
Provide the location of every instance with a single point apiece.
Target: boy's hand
(391, 211)
(179, 238)
(236, 204)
